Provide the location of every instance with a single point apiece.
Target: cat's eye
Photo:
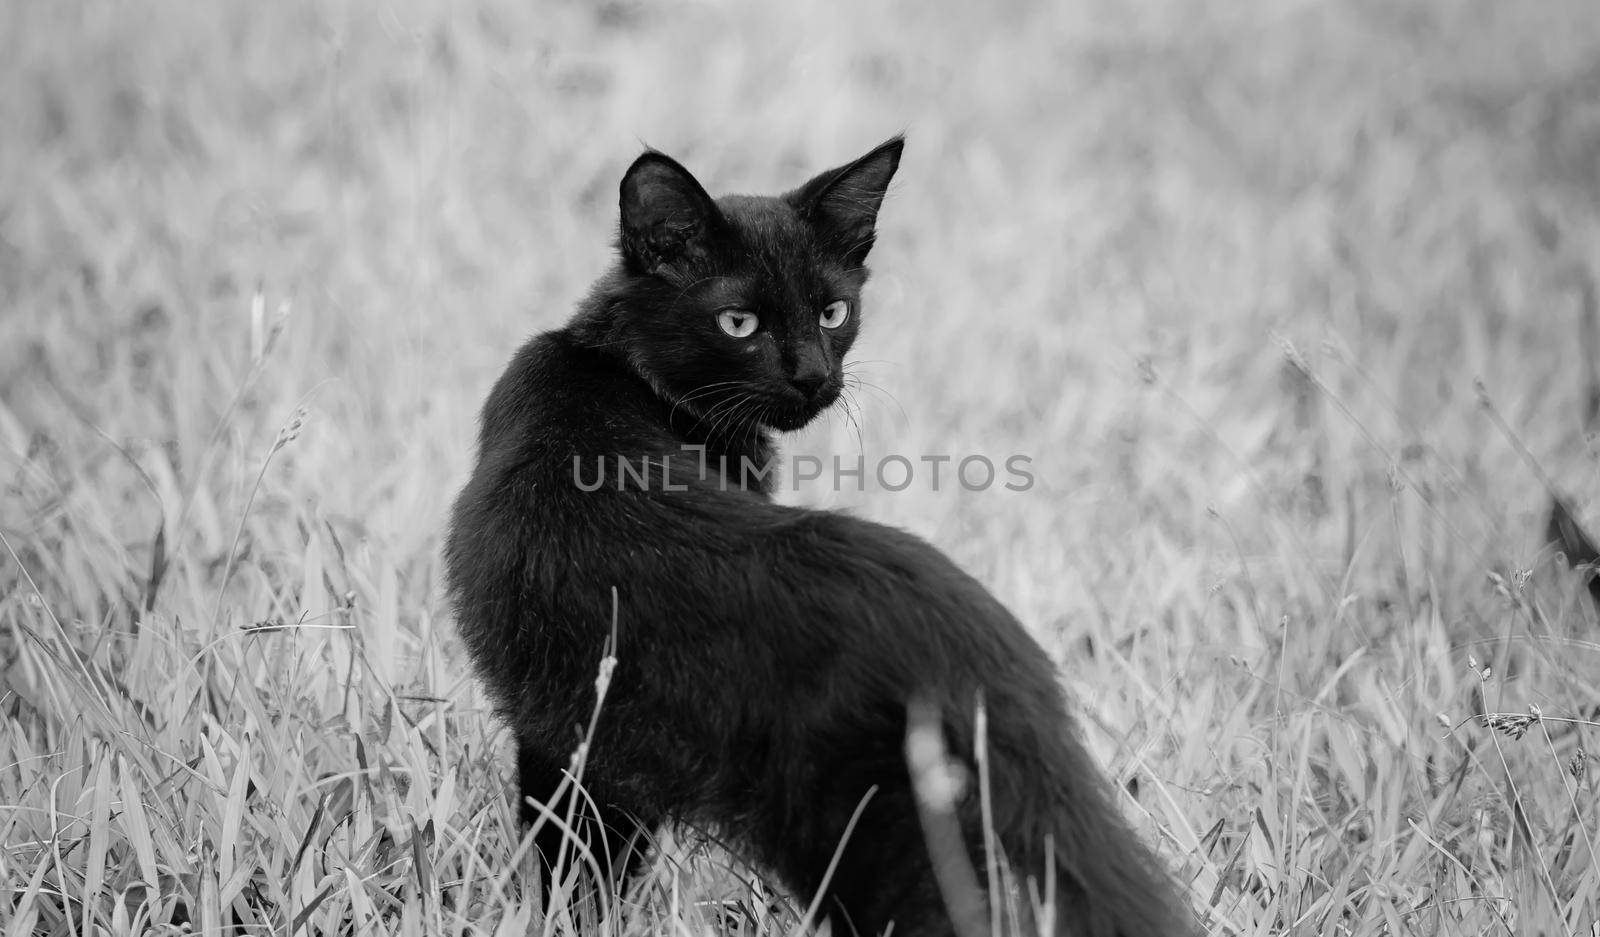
(834, 314)
(737, 322)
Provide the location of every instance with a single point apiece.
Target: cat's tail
(1050, 813)
(1108, 883)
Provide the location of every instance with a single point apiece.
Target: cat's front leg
(567, 827)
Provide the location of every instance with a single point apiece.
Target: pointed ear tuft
(667, 217)
(842, 204)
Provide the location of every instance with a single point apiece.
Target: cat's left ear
(842, 204)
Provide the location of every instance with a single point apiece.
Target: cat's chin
(791, 422)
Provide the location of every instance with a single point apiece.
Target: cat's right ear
(667, 217)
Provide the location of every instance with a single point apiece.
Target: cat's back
(547, 408)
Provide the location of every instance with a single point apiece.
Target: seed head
(291, 430)
(1514, 725)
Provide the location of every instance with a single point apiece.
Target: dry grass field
(1285, 301)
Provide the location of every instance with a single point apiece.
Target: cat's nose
(811, 369)
(809, 383)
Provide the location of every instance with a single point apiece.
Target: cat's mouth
(784, 409)
(793, 412)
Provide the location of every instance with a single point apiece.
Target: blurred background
(1286, 302)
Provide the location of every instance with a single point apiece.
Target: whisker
(850, 410)
(860, 384)
(701, 391)
(712, 416)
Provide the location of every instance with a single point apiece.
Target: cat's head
(740, 309)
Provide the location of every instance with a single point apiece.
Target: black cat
(766, 654)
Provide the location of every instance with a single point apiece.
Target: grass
(1282, 300)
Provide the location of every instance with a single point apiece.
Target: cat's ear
(842, 204)
(667, 217)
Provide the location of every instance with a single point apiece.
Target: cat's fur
(766, 654)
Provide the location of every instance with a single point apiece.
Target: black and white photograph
(701, 468)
